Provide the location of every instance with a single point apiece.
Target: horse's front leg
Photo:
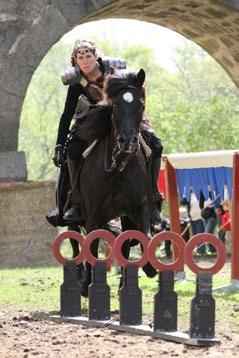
(86, 281)
(126, 224)
(141, 218)
(76, 251)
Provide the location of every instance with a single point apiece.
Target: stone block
(25, 236)
(232, 3)
(13, 166)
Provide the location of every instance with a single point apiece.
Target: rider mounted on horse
(86, 80)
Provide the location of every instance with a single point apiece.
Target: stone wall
(232, 3)
(25, 236)
(13, 166)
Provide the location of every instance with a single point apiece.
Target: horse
(114, 179)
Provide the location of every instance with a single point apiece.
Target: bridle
(133, 148)
(117, 152)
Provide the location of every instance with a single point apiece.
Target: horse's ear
(140, 78)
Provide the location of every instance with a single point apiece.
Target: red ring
(98, 234)
(199, 239)
(120, 240)
(58, 241)
(162, 236)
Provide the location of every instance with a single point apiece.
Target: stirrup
(55, 219)
(72, 213)
(75, 214)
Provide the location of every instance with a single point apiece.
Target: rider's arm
(69, 110)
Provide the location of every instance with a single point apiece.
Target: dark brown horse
(114, 178)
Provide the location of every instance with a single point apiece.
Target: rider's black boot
(149, 270)
(53, 217)
(74, 213)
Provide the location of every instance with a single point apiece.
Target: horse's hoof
(84, 286)
(84, 292)
(150, 270)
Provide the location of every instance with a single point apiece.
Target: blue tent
(199, 170)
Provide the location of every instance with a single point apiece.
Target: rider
(85, 80)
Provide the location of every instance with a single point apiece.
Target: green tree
(193, 107)
(198, 108)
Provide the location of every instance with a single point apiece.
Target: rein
(115, 154)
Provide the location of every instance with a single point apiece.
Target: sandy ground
(25, 334)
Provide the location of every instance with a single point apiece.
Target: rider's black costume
(69, 145)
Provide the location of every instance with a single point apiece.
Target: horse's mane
(96, 124)
(116, 83)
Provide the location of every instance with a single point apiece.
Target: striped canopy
(199, 170)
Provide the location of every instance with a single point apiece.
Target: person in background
(184, 228)
(209, 216)
(194, 211)
(184, 223)
(223, 215)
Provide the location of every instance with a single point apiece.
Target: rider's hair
(80, 44)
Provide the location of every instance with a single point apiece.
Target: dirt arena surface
(26, 334)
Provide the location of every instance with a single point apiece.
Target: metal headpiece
(83, 46)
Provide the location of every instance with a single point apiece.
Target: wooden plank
(173, 203)
(234, 218)
(178, 337)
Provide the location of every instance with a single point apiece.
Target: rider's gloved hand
(59, 155)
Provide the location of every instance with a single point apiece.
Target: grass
(38, 289)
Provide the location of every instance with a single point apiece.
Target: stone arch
(29, 31)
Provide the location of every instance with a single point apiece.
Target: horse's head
(125, 93)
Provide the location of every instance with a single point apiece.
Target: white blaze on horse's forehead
(128, 97)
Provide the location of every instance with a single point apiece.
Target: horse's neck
(112, 138)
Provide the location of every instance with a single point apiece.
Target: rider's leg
(75, 161)
(72, 214)
(55, 216)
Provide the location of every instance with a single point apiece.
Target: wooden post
(235, 218)
(172, 194)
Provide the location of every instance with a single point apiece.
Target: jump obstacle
(202, 315)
